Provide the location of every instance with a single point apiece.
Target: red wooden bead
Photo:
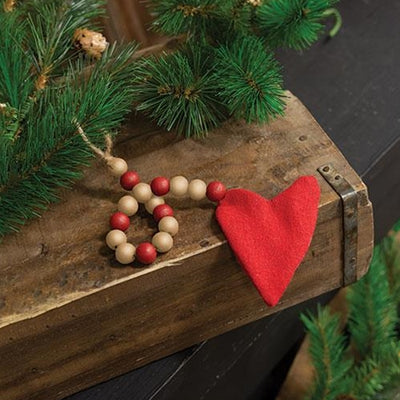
(129, 179)
(146, 253)
(216, 191)
(160, 186)
(161, 211)
(120, 221)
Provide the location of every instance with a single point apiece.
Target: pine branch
(179, 92)
(327, 349)
(51, 28)
(15, 68)
(372, 325)
(295, 24)
(50, 154)
(235, 18)
(185, 16)
(377, 371)
(372, 311)
(391, 257)
(249, 80)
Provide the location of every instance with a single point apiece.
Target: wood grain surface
(71, 317)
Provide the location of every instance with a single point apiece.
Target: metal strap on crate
(349, 199)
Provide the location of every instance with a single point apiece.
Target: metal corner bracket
(349, 199)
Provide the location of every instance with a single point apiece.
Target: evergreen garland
(245, 60)
(44, 96)
(374, 350)
(237, 40)
(187, 101)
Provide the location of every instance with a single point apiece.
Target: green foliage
(236, 38)
(249, 80)
(295, 24)
(194, 17)
(373, 318)
(391, 257)
(40, 150)
(51, 26)
(235, 16)
(192, 92)
(179, 92)
(15, 72)
(327, 349)
(373, 374)
(372, 311)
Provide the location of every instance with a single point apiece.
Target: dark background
(351, 85)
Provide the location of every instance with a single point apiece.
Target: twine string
(105, 155)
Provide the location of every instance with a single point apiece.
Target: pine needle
(372, 311)
(193, 17)
(295, 24)
(373, 331)
(40, 150)
(327, 349)
(249, 80)
(179, 91)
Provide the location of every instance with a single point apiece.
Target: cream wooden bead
(114, 238)
(142, 192)
(197, 189)
(163, 242)
(128, 205)
(117, 166)
(169, 225)
(153, 203)
(125, 253)
(178, 186)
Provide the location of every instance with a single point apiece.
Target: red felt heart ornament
(271, 237)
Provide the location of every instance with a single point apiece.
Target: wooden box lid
(71, 317)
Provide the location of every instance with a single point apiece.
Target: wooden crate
(71, 317)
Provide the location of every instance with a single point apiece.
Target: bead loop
(152, 196)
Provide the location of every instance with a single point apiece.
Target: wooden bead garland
(151, 195)
(128, 205)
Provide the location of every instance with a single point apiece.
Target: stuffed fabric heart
(271, 237)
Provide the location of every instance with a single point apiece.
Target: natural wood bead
(178, 186)
(117, 166)
(125, 253)
(169, 225)
(128, 205)
(114, 238)
(163, 242)
(153, 203)
(142, 192)
(197, 189)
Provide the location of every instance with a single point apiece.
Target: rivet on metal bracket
(349, 200)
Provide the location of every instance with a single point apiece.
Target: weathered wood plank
(62, 290)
